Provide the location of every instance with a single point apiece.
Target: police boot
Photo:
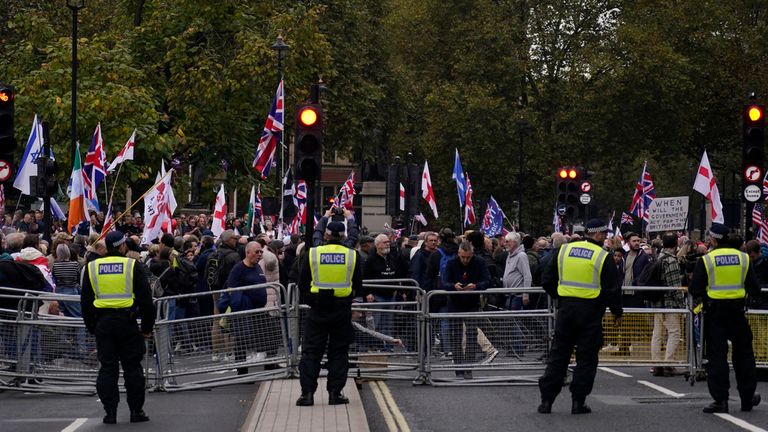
(545, 407)
(306, 399)
(716, 407)
(111, 417)
(579, 407)
(138, 416)
(755, 401)
(336, 398)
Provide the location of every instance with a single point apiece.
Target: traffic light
(7, 141)
(753, 150)
(568, 179)
(309, 141)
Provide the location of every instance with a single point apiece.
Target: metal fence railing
(436, 338)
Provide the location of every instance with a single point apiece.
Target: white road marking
(75, 424)
(666, 391)
(741, 423)
(615, 372)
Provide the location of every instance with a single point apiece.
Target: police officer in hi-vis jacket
(722, 278)
(584, 281)
(115, 292)
(329, 279)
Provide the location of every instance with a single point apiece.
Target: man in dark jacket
(228, 256)
(418, 265)
(465, 273)
(383, 264)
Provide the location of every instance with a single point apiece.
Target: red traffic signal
(308, 116)
(567, 173)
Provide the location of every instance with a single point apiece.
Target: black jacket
(433, 264)
(227, 257)
(142, 302)
(382, 267)
(476, 272)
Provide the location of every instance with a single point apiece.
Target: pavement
(274, 409)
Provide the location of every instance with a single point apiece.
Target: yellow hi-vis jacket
(726, 273)
(332, 266)
(112, 282)
(580, 265)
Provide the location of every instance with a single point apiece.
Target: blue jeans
(72, 309)
(382, 320)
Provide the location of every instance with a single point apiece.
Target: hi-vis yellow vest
(112, 282)
(726, 273)
(580, 265)
(332, 266)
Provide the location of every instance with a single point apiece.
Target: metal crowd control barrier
(497, 344)
(758, 321)
(373, 354)
(44, 352)
(205, 351)
(632, 343)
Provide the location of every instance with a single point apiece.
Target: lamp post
(75, 6)
(280, 48)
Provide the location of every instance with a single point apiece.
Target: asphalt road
(221, 409)
(618, 403)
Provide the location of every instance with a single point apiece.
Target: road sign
(561, 209)
(5, 170)
(752, 193)
(585, 198)
(586, 187)
(753, 173)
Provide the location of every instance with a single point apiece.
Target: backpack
(155, 286)
(653, 275)
(212, 273)
(444, 258)
(187, 274)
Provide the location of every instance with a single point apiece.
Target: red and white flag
(426, 190)
(156, 211)
(219, 214)
(469, 208)
(706, 184)
(420, 217)
(125, 154)
(402, 198)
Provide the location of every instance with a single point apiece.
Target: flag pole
(111, 195)
(128, 210)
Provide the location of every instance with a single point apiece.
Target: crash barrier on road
(42, 350)
(222, 348)
(632, 342)
(475, 339)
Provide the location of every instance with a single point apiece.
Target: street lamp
(280, 47)
(75, 6)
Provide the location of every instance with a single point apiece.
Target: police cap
(115, 239)
(335, 228)
(718, 231)
(596, 226)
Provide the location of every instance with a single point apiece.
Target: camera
(337, 214)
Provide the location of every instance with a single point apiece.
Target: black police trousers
(119, 341)
(329, 326)
(579, 324)
(724, 321)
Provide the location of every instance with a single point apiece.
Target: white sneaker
(491, 357)
(260, 356)
(610, 348)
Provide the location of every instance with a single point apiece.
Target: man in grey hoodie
(517, 274)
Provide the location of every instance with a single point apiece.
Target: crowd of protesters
(443, 260)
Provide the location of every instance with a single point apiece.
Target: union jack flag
(94, 168)
(347, 192)
(469, 209)
(626, 219)
(271, 135)
(300, 196)
(257, 203)
(645, 193)
(492, 220)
